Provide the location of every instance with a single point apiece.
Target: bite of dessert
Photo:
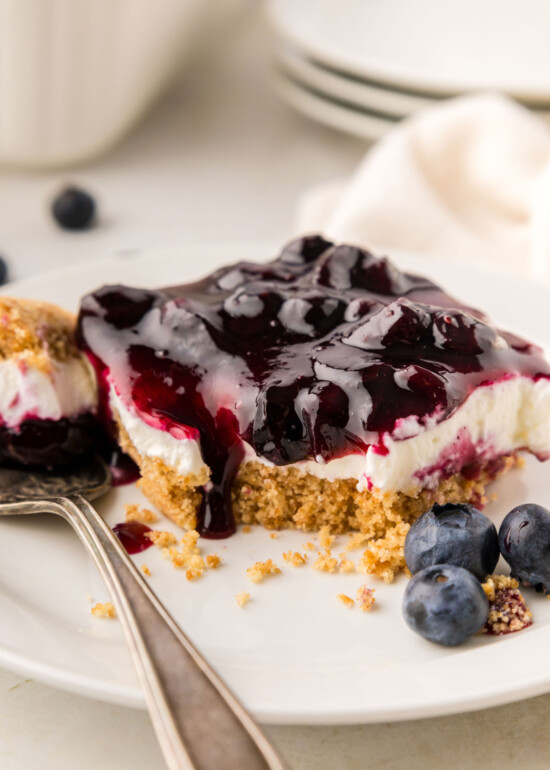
(48, 391)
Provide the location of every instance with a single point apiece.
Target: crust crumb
(325, 562)
(145, 569)
(356, 541)
(494, 583)
(161, 538)
(274, 535)
(365, 598)
(309, 546)
(325, 538)
(242, 598)
(384, 557)
(262, 569)
(213, 561)
(246, 529)
(187, 556)
(508, 611)
(346, 565)
(106, 610)
(135, 512)
(295, 558)
(347, 601)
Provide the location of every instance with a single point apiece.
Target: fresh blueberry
(455, 533)
(304, 250)
(445, 604)
(462, 332)
(524, 540)
(3, 271)
(74, 209)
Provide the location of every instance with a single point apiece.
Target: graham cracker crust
(285, 498)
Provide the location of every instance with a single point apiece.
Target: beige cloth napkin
(468, 179)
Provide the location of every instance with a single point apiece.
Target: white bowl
(76, 74)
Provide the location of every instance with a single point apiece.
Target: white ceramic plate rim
(394, 75)
(306, 701)
(357, 93)
(335, 115)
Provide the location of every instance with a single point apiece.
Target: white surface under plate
(421, 44)
(356, 92)
(294, 654)
(336, 114)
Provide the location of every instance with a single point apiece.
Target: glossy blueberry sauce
(123, 468)
(133, 536)
(49, 443)
(315, 355)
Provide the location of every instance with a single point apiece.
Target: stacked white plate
(363, 65)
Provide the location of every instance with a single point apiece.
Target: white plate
(356, 92)
(294, 654)
(427, 45)
(341, 113)
(338, 115)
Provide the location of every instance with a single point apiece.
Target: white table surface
(220, 158)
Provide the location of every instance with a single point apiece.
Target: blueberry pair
(451, 548)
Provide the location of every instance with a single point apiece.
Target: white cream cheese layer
(182, 454)
(67, 389)
(495, 419)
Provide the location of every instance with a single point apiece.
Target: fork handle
(199, 723)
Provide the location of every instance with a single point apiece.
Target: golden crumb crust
(508, 611)
(36, 332)
(284, 498)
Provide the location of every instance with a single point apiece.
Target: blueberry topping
(445, 604)
(133, 536)
(455, 533)
(304, 250)
(74, 209)
(459, 331)
(401, 322)
(524, 539)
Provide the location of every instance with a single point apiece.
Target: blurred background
(200, 147)
(189, 121)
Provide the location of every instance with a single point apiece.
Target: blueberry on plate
(445, 604)
(3, 271)
(455, 533)
(74, 209)
(524, 539)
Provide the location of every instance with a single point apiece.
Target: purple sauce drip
(123, 468)
(133, 536)
(317, 354)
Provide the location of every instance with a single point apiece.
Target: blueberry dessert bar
(324, 388)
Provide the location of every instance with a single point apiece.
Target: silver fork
(199, 722)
